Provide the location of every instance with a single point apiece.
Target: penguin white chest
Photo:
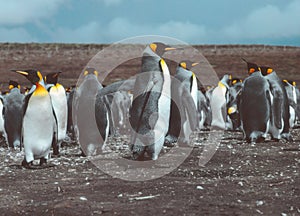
(60, 107)
(38, 127)
(164, 101)
(1, 118)
(194, 91)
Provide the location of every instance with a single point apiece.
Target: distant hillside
(72, 58)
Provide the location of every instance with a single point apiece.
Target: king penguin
(38, 120)
(292, 96)
(60, 107)
(150, 109)
(218, 102)
(85, 113)
(70, 126)
(280, 126)
(2, 130)
(255, 105)
(203, 111)
(232, 105)
(184, 105)
(13, 115)
(102, 115)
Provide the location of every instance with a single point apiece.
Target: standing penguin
(2, 130)
(60, 107)
(85, 113)
(150, 109)
(203, 111)
(102, 116)
(70, 127)
(232, 105)
(184, 105)
(292, 96)
(280, 126)
(255, 105)
(38, 120)
(218, 102)
(13, 115)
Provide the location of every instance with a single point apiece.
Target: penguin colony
(154, 108)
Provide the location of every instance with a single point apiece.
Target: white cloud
(15, 34)
(267, 22)
(90, 33)
(121, 28)
(16, 12)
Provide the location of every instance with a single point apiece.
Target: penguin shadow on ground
(32, 167)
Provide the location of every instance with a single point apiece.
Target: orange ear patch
(183, 65)
(40, 75)
(153, 46)
(251, 70)
(270, 70)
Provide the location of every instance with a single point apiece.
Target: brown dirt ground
(240, 179)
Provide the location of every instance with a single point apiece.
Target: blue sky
(275, 22)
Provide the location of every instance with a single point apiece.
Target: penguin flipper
(123, 85)
(55, 134)
(277, 108)
(189, 106)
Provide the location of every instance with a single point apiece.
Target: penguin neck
(223, 86)
(40, 90)
(256, 73)
(149, 52)
(15, 90)
(150, 61)
(182, 72)
(48, 86)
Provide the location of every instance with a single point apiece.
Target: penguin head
(252, 67)
(266, 70)
(293, 83)
(51, 78)
(160, 48)
(235, 81)
(90, 71)
(186, 64)
(26, 89)
(34, 76)
(13, 84)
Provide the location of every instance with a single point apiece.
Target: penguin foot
(170, 141)
(137, 156)
(182, 142)
(55, 150)
(56, 155)
(43, 161)
(26, 165)
(287, 136)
